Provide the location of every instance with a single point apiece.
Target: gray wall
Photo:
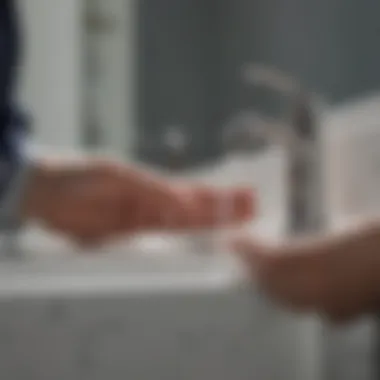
(191, 52)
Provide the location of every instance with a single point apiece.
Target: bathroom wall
(53, 77)
(192, 53)
(352, 147)
(51, 83)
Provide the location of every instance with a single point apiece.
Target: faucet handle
(261, 75)
(305, 106)
(240, 133)
(251, 129)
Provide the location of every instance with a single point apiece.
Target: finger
(193, 207)
(160, 193)
(212, 208)
(242, 206)
(208, 207)
(86, 225)
(252, 251)
(149, 213)
(201, 209)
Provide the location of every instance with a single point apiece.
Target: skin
(94, 202)
(336, 276)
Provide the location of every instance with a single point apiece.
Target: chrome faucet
(300, 135)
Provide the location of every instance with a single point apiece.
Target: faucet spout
(300, 135)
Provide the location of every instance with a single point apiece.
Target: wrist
(38, 190)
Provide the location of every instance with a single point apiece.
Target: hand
(337, 277)
(94, 202)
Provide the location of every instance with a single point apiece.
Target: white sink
(54, 268)
(119, 315)
(152, 310)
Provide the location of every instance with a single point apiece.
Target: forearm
(337, 276)
(364, 241)
(37, 190)
(362, 238)
(24, 193)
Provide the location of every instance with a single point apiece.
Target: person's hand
(337, 277)
(95, 202)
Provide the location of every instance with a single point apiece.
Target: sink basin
(121, 314)
(155, 308)
(53, 268)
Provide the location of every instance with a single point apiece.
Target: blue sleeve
(13, 123)
(14, 169)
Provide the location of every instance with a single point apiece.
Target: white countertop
(47, 267)
(157, 263)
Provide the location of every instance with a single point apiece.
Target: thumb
(253, 251)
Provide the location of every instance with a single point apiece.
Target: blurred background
(167, 63)
(208, 90)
